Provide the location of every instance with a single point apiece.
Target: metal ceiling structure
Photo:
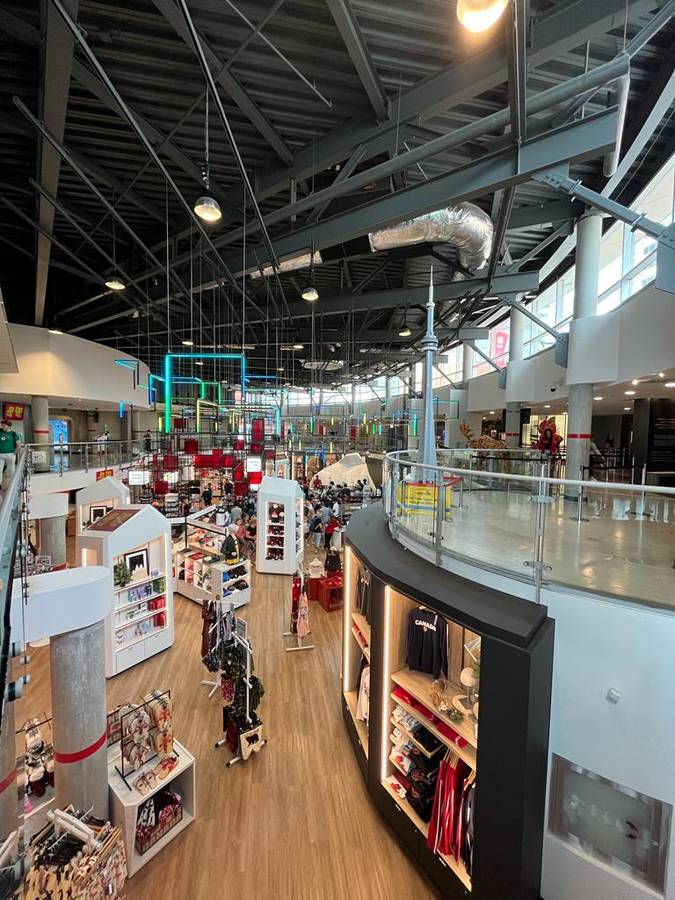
(331, 118)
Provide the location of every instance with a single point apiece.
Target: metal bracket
(542, 498)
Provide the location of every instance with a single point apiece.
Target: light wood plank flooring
(293, 822)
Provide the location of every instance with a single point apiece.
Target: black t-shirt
(427, 649)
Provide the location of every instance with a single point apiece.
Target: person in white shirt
(101, 443)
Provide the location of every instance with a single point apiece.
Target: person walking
(9, 444)
(331, 526)
(102, 444)
(207, 494)
(147, 441)
(316, 528)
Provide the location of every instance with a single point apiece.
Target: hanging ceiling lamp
(114, 282)
(404, 330)
(206, 208)
(310, 292)
(479, 15)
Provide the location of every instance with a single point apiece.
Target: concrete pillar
(8, 807)
(580, 401)
(53, 539)
(512, 418)
(77, 663)
(40, 413)
(467, 365)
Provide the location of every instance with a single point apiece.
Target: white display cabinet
(201, 574)
(126, 801)
(96, 500)
(280, 536)
(142, 620)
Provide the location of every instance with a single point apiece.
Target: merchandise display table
(330, 592)
(125, 803)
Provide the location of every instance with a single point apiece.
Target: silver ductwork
(464, 225)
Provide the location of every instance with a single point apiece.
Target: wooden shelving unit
(351, 697)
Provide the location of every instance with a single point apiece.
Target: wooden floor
(293, 822)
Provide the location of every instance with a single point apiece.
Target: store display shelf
(365, 649)
(124, 606)
(411, 738)
(133, 584)
(147, 615)
(468, 753)
(450, 861)
(129, 796)
(362, 625)
(419, 686)
(361, 727)
(141, 637)
(209, 549)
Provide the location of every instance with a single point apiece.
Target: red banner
(104, 473)
(13, 411)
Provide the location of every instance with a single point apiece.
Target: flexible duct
(464, 225)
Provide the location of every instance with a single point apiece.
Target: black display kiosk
(505, 747)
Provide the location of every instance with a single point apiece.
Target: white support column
(40, 413)
(52, 539)
(467, 365)
(516, 335)
(580, 408)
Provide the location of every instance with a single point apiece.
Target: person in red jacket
(331, 525)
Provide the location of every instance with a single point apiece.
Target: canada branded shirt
(427, 648)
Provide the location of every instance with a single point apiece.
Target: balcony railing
(504, 512)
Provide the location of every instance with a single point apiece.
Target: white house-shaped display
(135, 542)
(96, 500)
(280, 535)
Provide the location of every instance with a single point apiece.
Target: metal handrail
(536, 479)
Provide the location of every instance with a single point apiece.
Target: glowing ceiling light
(187, 343)
(115, 283)
(208, 209)
(479, 15)
(629, 393)
(310, 293)
(55, 331)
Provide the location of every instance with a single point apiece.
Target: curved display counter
(457, 767)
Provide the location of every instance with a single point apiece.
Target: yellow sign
(420, 498)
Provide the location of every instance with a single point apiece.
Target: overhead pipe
(618, 97)
(464, 225)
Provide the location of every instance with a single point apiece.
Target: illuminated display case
(458, 764)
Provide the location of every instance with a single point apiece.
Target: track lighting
(479, 15)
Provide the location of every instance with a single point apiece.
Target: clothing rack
(246, 644)
(299, 641)
(225, 625)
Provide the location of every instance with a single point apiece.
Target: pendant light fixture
(479, 15)
(206, 207)
(114, 282)
(310, 292)
(404, 330)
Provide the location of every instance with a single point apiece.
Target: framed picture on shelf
(97, 512)
(137, 563)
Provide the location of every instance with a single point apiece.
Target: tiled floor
(624, 546)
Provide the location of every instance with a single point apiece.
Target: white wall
(68, 367)
(601, 644)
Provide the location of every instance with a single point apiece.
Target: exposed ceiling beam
(353, 39)
(544, 214)
(56, 61)
(655, 106)
(222, 74)
(588, 137)
(160, 142)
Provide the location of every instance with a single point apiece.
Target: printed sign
(241, 627)
(420, 498)
(139, 476)
(13, 411)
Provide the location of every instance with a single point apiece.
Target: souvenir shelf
(135, 542)
(126, 802)
(95, 501)
(199, 569)
(482, 733)
(280, 535)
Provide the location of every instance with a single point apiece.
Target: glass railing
(516, 518)
(85, 455)
(13, 500)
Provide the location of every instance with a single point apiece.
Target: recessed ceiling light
(547, 405)
(298, 346)
(626, 408)
(662, 374)
(492, 412)
(634, 382)
(55, 331)
(187, 343)
(629, 393)
(597, 398)
(280, 368)
(198, 362)
(670, 383)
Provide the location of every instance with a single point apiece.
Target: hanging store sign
(253, 464)
(138, 476)
(13, 412)
(104, 473)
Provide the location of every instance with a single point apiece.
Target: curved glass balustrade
(503, 511)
